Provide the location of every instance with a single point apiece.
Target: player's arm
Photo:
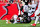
(22, 2)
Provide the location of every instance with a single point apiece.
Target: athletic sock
(36, 19)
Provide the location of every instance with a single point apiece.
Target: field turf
(3, 24)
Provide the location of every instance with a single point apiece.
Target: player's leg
(39, 20)
(15, 19)
(37, 12)
(37, 17)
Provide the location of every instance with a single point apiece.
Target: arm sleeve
(21, 8)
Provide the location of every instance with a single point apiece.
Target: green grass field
(3, 24)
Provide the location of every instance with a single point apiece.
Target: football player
(25, 6)
(36, 13)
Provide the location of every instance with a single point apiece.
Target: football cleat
(33, 24)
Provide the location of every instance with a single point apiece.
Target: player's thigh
(37, 12)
